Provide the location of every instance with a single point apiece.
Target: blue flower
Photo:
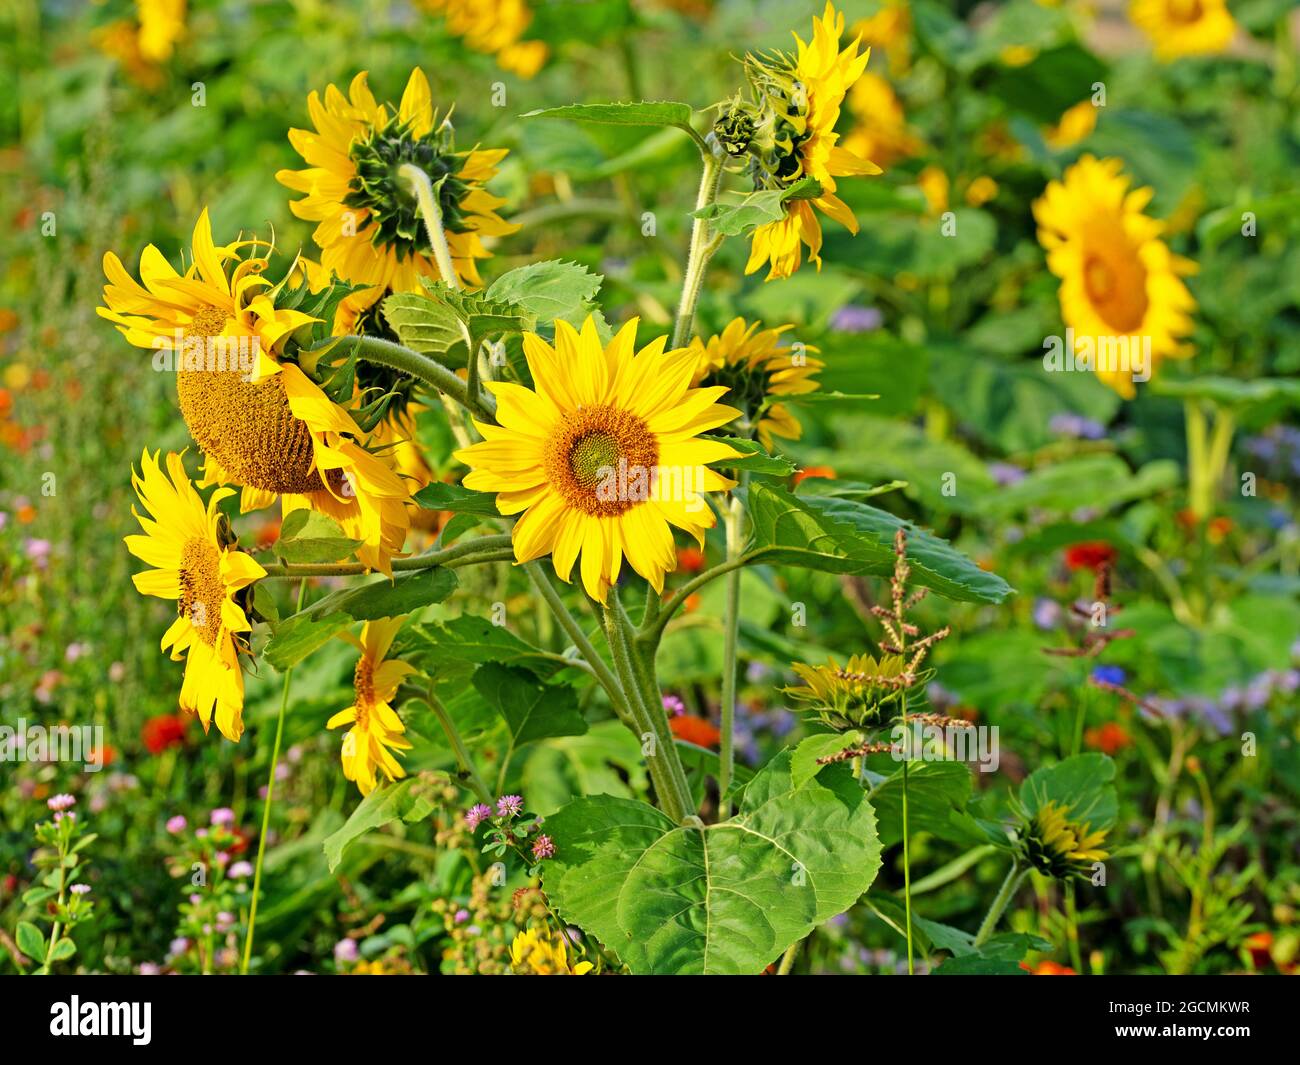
(1109, 675)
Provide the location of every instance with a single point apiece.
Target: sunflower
(1118, 278)
(261, 423)
(376, 729)
(801, 97)
(198, 565)
(1076, 123)
(880, 131)
(1054, 845)
(601, 455)
(370, 231)
(162, 24)
(754, 366)
(495, 28)
(1184, 27)
(855, 694)
(538, 952)
(889, 29)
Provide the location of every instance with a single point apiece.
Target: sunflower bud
(735, 128)
(1050, 842)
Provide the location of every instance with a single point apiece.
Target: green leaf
(1102, 481)
(36, 895)
(30, 940)
(447, 647)
(979, 965)
(422, 324)
(845, 536)
(803, 761)
(718, 899)
(758, 208)
(643, 113)
(824, 486)
(549, 290)
(387, 599)
(294, 639)
(307, 536)
(935, 790)
(454, 497)
(1081, 783)
(63, 950)
(405, 800)
(532, 710)
(755, 458)
(264, 602)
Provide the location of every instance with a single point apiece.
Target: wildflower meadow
(682, 487)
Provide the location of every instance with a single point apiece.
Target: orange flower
(1109, 738)
(813, 471)
(1091, 555)
(697, 730)
(1048, 968)
(690, 559)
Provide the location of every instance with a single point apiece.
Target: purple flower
(543, 847)
(38, 551)
(345, 950)
(854, 318)
(222, 817)
(176, 825)
(1076, 426)
(460, 916)
(179, 945)
(148, 968)
(674, 705)
(80, 889)
(477, 814)
(1047, 613)
(61, 802)
(1005, 473)
(1109, 675)
(510, 806)
(758, 672)
(240, 870)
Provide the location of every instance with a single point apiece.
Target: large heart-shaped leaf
(408, 800)
(845, 536)
(531, 709)
(718, 899)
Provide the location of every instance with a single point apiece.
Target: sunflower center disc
(202, 589)
(601, 460)
(245, 425)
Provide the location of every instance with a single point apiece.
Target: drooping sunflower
(1184, 27)
(197, 564)
(495, 28)
(538, 952)
(754, 365)
(369, 227)
(601, 456)
(1053, 844)
(1118, 278)
(800, 97)
(261, 423)
(376, 729)
(853, 695)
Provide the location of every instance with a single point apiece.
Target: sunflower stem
(458, 746)
(731, 635)
(652, 627)
(431, 212)
(701, 249)
(471, 552)
(1014, 875)
(397, 357)
(266, 806)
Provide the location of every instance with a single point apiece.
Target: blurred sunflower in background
(197, 564)
(376, 730)
(601, 456)
(261, 423)
(880, 131)
(369, 227)
(753, 365)
(799, 98)
(538, 952)
(1184, 27)
(1118, 278)
(162, 25)
(495, 28)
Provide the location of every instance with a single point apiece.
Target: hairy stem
(1014, 875)
(701, 250)
(433, 373)
(458, 747)
(731, 635)
(471, 552)
(431, 212)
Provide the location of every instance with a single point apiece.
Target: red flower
(696, 730)
(1108, 738)
(163, 731)
(812, 471)
(690, 559)
(1092, 555)
(1260, 946)
(1048, 968)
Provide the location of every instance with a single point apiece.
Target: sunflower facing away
(600, 457)
(1056, 846)
(376, 729)
(261, 423)
(495, 28)
(754, 366)
(1118, 278)
(198, 566)
(801, 96)
(1184, 27)
(369, 227)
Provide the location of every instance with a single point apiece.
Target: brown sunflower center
(363, 684)
(202, 589)
(1186, 10)
(602, 459)
(1116, 284)
(245, 425)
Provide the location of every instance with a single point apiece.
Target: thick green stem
(1004, 896)
(652, 626)
(431, 212)
(266, 806)
(701, 250)
(397, 357)
(471, 552)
